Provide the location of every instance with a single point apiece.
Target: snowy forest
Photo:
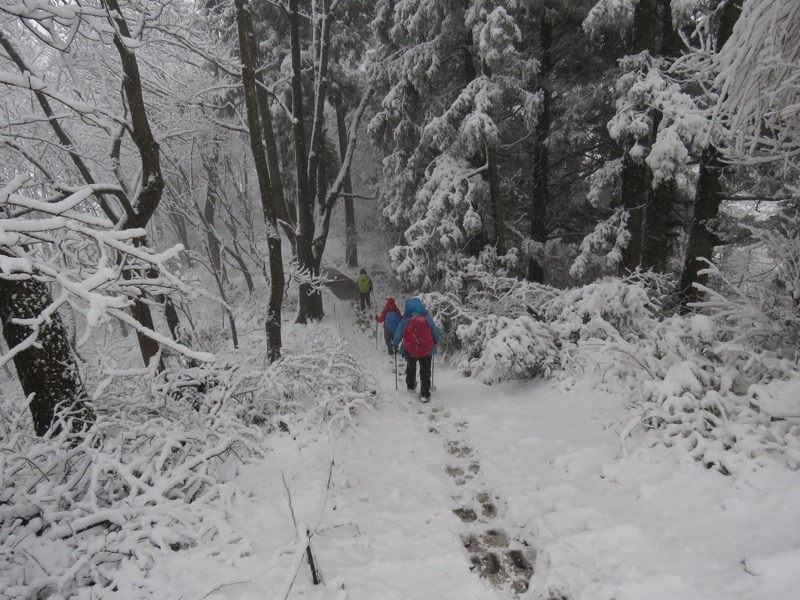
(598, 202)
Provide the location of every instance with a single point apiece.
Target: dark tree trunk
(152, 180)
(47, 369)
(173, 320)
(634, 189)
(662, 198)
(702, 240)
(655, 253)
(351, 240)
(210, 208)
(636, 174)
(282, 212)
(247, 49)
(305, 192)
(540, 196)
(655, 242)
(497, 201)
(708, 194)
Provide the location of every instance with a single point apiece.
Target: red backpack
(417, 336)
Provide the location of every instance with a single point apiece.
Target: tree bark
(708, 194)
(634, 189)
(636, 175)
(540, 196)
(152, 181)
(210, 208)
(247, 50)
(47, 369)
(702, 240)
(310, 302)
(273, 156)
(662, 197)
(497, 200)
(351, 239)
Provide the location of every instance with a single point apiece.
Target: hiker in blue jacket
(419, 336)
(390, 317)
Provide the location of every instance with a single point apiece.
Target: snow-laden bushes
(153, 475)
(498, 328)
(146, 479)
(607, 309)
(721, 384)
(498, 348)
(724, 402)
(491, 324)
(317, 381)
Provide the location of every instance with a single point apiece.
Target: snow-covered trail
(457, 499)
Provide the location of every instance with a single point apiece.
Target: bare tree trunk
(702, 239)
(46, 369)
(662, 197)
(351, 239)
(210, 208)
(708, 194)
(282, 212)
(247, 50)
(307, 309)
(152, 181)
(497, 201)
(636, 175)
(540, 196)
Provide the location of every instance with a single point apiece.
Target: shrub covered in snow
(720, 384)
(607, 309)
(497, 348)
(153, 475)
(491, 324)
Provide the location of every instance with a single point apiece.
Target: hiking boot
(411, 388)
(425, 397)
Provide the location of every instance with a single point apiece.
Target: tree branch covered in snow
(153, 474)
(62, 242)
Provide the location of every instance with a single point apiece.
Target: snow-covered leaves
(458, 86)
(497, 348)
(153, 475)
(96, 269)
(147, 479)
(644, 88)
(603, 247)
(610, 14)
(758, 70)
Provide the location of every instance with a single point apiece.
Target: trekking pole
(433, 370)
(376, 333)
(395, 369)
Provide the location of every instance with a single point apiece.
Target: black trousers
(387, 338)
(364, 300)
(424, 374)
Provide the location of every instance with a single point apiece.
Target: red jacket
(390, 307)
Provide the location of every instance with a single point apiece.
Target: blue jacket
(414, 307)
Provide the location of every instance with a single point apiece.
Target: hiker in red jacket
(390, 317)
(419, 335)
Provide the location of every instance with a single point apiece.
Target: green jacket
(364, 283)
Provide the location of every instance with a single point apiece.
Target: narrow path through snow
(500, 556)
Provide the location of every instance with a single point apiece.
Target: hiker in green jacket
(364, 289)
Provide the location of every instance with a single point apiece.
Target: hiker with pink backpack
(419, 336)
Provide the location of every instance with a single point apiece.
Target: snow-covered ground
(414, 501)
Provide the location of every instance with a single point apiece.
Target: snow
(599, 516)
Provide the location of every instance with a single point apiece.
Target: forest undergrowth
(153, 474)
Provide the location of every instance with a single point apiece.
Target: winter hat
(390, 303)
(363, 272)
